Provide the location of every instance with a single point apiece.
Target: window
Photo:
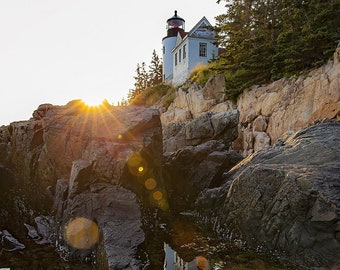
(175, 59)
(203, 50)
(180, 55)
(163, 49)
(184, 51)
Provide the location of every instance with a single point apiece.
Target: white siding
(168, 45)
(195, 59)
(181, 69)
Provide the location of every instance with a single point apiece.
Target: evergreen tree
(155, 70)
(141, 79)
(268, 39)
(307, 39)
(146, 78)
(247, 31)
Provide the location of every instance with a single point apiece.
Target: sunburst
(93, 101)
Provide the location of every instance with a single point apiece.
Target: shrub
(201, 73)
(154, 94)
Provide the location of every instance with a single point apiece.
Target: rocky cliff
(81, 175)
(74, 176)
(285, 197)
(266, 112)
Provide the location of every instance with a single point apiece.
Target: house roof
(202, 24)
(202, 29)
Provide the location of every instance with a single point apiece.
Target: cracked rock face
(85, 169)
(286, 198)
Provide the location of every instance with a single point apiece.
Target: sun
(93, 101)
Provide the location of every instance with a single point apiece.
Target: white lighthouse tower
(175, 26)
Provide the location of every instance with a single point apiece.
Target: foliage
(146, 78)
(155, 69)
(201, 73)
(154, 94)
(169, 98)
(267, 40)
(141, 79)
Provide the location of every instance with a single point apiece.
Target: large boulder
(42, 149)
(196, 152)
(192, 169)
(88, 169)
(98, 220)
(284, 199)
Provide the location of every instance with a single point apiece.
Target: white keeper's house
(182, 51)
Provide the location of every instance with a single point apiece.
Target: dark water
(180, 245)
(190, 247)
(37, 257)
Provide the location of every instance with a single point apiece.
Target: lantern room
(175, 24)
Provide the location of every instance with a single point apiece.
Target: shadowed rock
(78, 165)
(284, 199)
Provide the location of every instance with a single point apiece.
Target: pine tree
(141, 79)
(247, 34)
(155, 70)
(146, 78)
(269, 39)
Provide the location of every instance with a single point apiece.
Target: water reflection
(173, 261)
(37, 257)
(189, 247)
(180, 245)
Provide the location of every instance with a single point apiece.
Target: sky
(55, 51)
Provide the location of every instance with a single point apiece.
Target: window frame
(203, 49)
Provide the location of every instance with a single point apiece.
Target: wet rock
(32, 232)
(117, 215)
(97, 222)
(80, 175)
(193, 168)
(83, 171)
(196, 153)
(43, 149)
(46, 229)
(9, 242)
(285, 198)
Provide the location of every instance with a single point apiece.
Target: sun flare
(93, 101)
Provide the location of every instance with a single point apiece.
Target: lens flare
(134, 159)
(150, 184)
(163, 204)
(136, 164)
(82, 233)
(202, 263)
(157, 195)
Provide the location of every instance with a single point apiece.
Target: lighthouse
(183, 51)
(175, 25)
